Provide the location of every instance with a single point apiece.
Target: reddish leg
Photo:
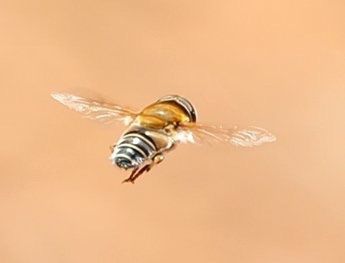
(135, 174)
(130, 178)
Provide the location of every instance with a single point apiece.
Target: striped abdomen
(133, 149)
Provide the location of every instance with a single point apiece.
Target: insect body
(150, 134)
(157, 129)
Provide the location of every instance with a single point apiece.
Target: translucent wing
(200, 133)
(101, 111)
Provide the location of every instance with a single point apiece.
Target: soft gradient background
(275, 64)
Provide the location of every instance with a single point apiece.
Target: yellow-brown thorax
(161, 114)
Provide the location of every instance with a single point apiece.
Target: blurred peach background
(275, 64)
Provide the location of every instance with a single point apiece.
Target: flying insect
(157, 129)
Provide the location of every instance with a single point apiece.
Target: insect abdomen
(133, 149)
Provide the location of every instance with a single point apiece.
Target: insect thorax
(168, 110)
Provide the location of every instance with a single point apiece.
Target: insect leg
(130, 178)
(111, 147)
(154, 161)
(140, 172)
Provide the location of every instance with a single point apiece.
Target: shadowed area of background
(275, 64)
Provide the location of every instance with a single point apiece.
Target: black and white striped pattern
(133, 149)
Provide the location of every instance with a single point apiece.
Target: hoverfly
(157, 129)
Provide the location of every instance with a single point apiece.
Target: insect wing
(96, 110)
(200, 133)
